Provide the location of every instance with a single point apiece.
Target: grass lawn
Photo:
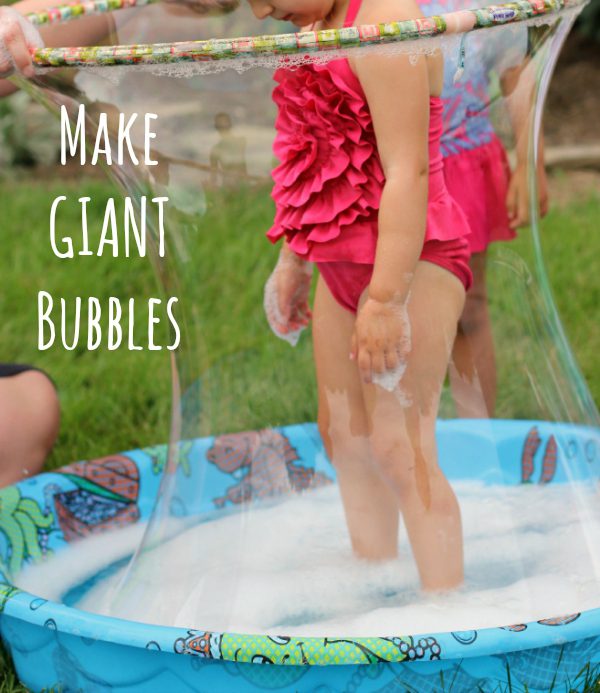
(244, 378)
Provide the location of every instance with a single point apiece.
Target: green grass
(234, 374)
(572, 253)
(528, 349)
(121, 399)
(9, 683)
(108, 399)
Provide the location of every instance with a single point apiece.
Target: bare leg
(370, 505)
(29, 421)
(403, 431)
(473, 366)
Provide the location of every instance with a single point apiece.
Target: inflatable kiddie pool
(528, 480)
(54, 643)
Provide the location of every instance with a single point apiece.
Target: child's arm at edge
(83, 32)
(518, 85)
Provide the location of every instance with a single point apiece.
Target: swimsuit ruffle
(328, 185)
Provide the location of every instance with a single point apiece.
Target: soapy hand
(381, 342)
(17, 38)
(286, 297)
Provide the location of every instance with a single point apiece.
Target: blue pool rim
(577, 447)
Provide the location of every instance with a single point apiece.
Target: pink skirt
(478, 180)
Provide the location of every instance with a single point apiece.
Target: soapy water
(288, 568)
(390, 381)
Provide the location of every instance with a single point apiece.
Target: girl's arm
(86, 31)
(518, 86)
(398, 97)
(81, 32)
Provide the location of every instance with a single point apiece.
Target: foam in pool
(304, 587)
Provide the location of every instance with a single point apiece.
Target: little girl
(477, 173)
(360, 191)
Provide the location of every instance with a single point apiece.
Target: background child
(358, 192)
(494, 199)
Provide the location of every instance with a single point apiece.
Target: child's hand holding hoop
(17, 38)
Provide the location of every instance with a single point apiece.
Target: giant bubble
(222, 560)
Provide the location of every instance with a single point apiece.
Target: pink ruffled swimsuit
(329, 182)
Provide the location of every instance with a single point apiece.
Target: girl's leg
(473, 366)
(29, 419)
(403, 430)
(370, 505)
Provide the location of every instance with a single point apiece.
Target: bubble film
(258, 528)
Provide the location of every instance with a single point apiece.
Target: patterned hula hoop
(65, 13)
(278, 44)
(75, 10)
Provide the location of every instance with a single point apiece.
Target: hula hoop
(279, 44)
(76, 10)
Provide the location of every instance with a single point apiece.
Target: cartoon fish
(549, 461)
(516, 628)
(532, 443)
(559, 620)
(200, 644)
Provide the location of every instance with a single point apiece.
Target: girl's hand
(286, 297)
(381, 342)
(17, 38)
(517, 199)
